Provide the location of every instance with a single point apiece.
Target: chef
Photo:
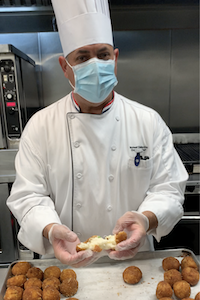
(94, 162)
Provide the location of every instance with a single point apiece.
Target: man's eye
(81, 59)
(104, 55)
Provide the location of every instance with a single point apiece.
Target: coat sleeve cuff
(32, 225)
(168, 214)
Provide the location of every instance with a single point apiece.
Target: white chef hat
(82, 22)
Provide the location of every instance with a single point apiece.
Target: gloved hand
(135, 224)
(64, 242)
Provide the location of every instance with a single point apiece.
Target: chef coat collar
(105, 108)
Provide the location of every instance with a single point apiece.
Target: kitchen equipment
(18, 102)
(10, 248)
(103, 279)
(8, 241)
(18, 94)
(187, 232)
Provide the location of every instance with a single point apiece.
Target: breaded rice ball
(72, 299)
(182, 289)
(13, 293)
(67, 273)
(163, 290)
(190, 275)
(132, 275)
(171, 276)
(169, 263)
(32, 293)
(21, 268)
(33, 282)
(52, 271)
(197, 297)
(53, 282)
(35, 272)
(165, 298)
(50, 293)
(69, 287)
(17, 280)
(187, 299)
(188, 261)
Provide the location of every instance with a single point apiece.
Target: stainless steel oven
(18, 94)
(186, 233)
(18, 102)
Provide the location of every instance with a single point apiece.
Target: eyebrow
(103, 49)
(84, 51)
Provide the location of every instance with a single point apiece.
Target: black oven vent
(189, 153)
(116, 3)
(18, 3)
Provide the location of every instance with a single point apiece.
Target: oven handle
(191, 218)
(0, 243)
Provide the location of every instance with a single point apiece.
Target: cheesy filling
(109, 242)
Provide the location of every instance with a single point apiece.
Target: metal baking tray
(103, 279)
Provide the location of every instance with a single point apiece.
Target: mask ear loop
(73, 72)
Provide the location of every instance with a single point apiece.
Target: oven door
(8, 242)
(186, 233)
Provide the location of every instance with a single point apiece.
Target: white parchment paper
(103, 280)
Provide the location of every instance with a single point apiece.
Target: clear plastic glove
(64, 242)
(135, 225)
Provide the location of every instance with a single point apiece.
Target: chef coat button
(117, 118)
(78, 234)
(71, 116)
(111, 177)
(76, 144)
(113, 148)
(109, 208)
(79, 175)
(78, 205)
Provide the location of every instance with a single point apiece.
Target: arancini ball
(21, 268)
(69, 287)
(32, 293)
(188, 261)
(169, 263)
(182, 289)
(13, 293)
(33, 282)
(35, 272)
(67, 273)
(17, 280)
(197, 297)
(52, 271)
(53, 282)
(163, 290)
(190, 275)
(171, 276)
(50, 293)
(132, 275)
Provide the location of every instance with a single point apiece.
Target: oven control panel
(9, 97)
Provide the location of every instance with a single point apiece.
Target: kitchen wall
(157, 67)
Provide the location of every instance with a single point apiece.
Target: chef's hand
(136, 225)
(64, 242)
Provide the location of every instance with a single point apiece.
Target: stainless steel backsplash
(158, 68)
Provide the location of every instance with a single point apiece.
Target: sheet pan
(103, 280)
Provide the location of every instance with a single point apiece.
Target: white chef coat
(79, 169)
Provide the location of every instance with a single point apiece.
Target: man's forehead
(93, 47)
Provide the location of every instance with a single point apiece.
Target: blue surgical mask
(94, 79)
